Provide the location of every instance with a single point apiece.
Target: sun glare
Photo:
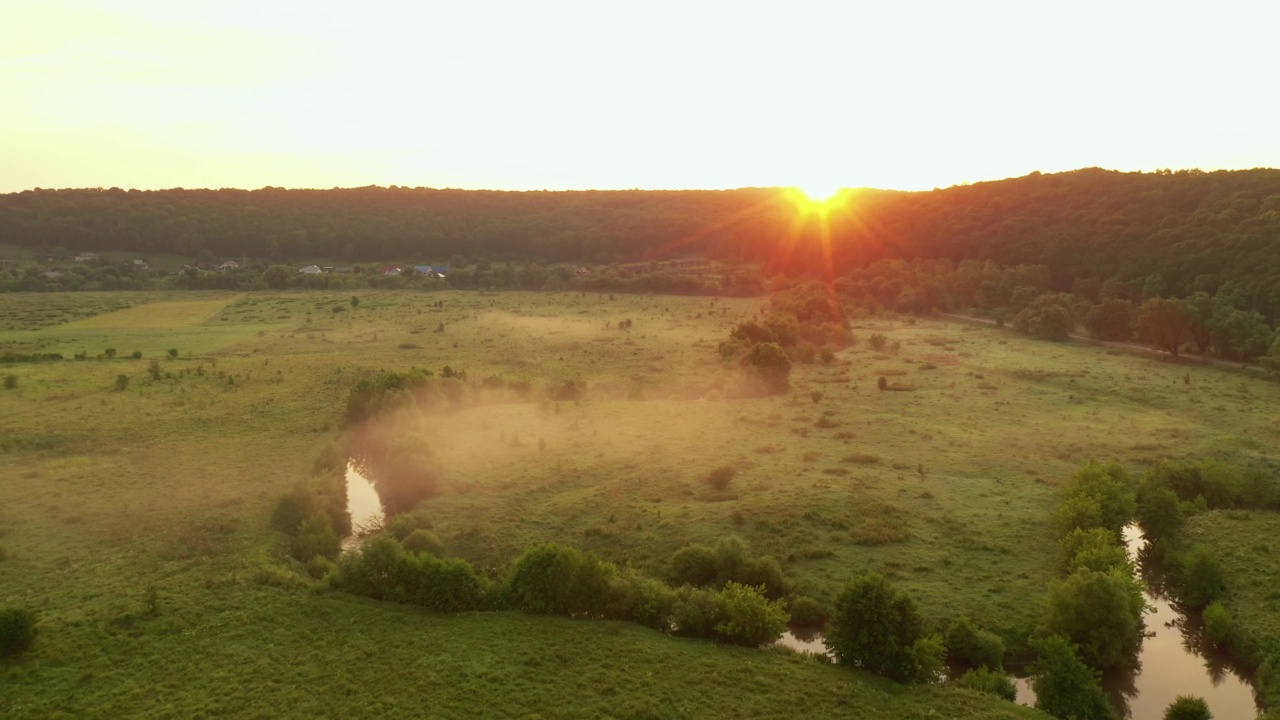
(819, 194)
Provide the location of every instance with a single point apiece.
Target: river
(363, 504)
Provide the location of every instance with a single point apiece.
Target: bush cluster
(17, 631)
(701, 566)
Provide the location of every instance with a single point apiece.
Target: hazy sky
(550, 94)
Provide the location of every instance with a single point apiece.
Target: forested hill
(1189, 227)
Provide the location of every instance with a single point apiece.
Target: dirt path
(1129, 346)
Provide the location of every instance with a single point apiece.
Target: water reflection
(363, 504)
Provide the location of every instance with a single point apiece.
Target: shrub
(720, 478)
(808, 612)
(136, 355)
(816, 396)
(746, 617)
(291, 509)
(173, 352)
(1199, 576)
(17, 631)
(695, 613)
(382, 570)
(122, 383)
(827, 354)
(423, 541)
(405, 524)
(635, 598)
(877, 341)
(153, 368)
(315, 537)
(1187, 707)
(973, 646)
(693, 565)
(769, 362)
(10, 381)
(553, 579)
(883, 383)
(319, 567)
(110, 352)
(1219, 628)
(876, 627)
(992, 682)
(1065, 686)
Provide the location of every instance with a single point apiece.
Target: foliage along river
(1168, 662)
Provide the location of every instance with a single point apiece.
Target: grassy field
(1248, 545)
(166, 488)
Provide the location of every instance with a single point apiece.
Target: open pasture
(163, 489)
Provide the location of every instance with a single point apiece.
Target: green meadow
(136, 521)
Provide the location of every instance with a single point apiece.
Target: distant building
(310, 270)
(53, 274)
(142, 265)
(431, 271)
(86, 256)
(229, 265)
(391, 270)
(584, 270)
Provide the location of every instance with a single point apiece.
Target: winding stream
(1168, 664)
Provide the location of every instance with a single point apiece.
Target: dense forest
(1175, 233)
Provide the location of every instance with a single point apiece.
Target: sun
(819, 193)
(817, 197)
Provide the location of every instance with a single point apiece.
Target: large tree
(877, 628)
(1166, 324)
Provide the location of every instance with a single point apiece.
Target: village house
(229, 265)
(310, 270)
(86, 257)
(391, 270)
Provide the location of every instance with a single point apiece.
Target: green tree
(1159, 512)
(1097, 495)
(1094, 549)
(1065, 686)
(973, 646)
(1200, 577)
(1100, 612)
(769, 362)
(1187, 707)
(875, 627)
(1048, 317)
(553, 579)
(1166, 324)
(278, 276)
(1112, 319)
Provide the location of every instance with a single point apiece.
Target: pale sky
(550, 94)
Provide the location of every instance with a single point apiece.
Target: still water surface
(363, 504)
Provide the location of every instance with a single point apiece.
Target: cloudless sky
(555, 94)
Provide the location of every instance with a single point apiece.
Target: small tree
(110, 352)
(355, 301)
(973, 646)
(10, 381)
(1187, 707)
(122, 383)
(720, 478)
(136, 355)
(1065, 686)
(878, 341)
(173, 352)
(154, 369)
(1101, 612)
(876, 627)
(748, 618)
(769, 362)
(1200, 576)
